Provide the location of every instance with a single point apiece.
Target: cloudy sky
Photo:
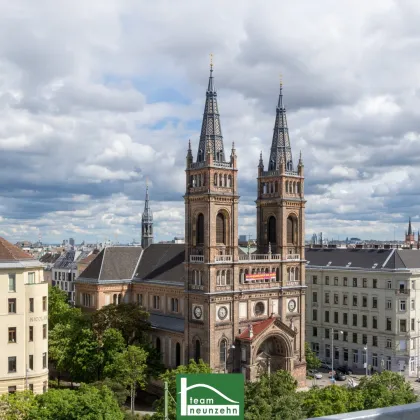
(96, 96)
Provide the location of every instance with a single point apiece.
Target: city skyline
(80, 133)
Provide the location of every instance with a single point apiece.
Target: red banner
(260, 276)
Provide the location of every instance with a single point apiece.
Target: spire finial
(281, 81)
(147, 182)
(189, 144)
(233, 145)
(211, 61)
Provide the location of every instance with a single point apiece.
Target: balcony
(402, 292)
(293, 283)
(293, 257)
(197, 259)
(197, 287)
(223, 258)
(260, 257)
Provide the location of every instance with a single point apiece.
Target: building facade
(24, 326)
(239, 312)
(363, 306)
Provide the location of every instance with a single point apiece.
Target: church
(238, 311)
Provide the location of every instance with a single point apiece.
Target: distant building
(409, 234)
(24, 324)
(71, 241)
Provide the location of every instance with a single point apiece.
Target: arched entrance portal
(273, 354)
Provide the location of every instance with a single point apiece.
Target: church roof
(257, 329)
(11, 253)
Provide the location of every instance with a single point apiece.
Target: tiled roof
(89, 258)
(10, 252)
(164, 322)
(162, 262)
(65, 260)
(49, 257)
(113, 263)
(257, 329)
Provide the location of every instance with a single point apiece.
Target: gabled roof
(257, 329)
(113, 263)
(162, 262)
(49, 257)
(10, 252)
(89, 258)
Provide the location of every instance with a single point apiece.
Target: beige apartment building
(364, 302)
(24, 321)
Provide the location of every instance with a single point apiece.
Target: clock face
(292, 305)
(222, 312)
(198, 312)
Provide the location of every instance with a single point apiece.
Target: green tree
(330, 400)
(17, 406)
(59, 309)
(129, 368)
(385, 389)
(170, 377)
(120, 391)
(88, 403)
(273, 397)
(312, 361)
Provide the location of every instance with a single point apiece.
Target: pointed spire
(211, 139)
(147, 221)
(410, 230)
(280, 146)
(300, 159)
(261, 163)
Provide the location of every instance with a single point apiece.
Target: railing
(293, 257)
(402, 292)
(223, 258)
(197, 287)
(196, 258)
(260, 257)
(293, 283)
(222, 164)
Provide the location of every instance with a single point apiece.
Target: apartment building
(363, 306)
(24, 321)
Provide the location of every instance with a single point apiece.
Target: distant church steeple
(147, 222)
(409, 234)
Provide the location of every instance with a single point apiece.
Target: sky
(98, 96)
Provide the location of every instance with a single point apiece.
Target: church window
(220, 180)
(259, 308)
(119, 298)
(225, 183)
(197, 354)
(291, 230)
(272, 230)
(228, 277)
(215, 180)
(298, 187)
(220, 229)
(200, 229)
(223, 350)
(229, 181)
(287, 187)
(218, 280)
(174, 305)
(115, 299)
(177, 354)
(158, 344)
(156, 302)
(241, 276)
(276, 187)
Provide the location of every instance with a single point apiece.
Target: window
(314, 331)
(403, 325)
(12, 282)
(354, 300)
(388, 363)
(345, 281)
(139, 299)
(389, 284)
(315, 349)
(375, 322)
(374, 303)
(354, 282)
(355, 338)
(197, 354)
(31, 304)
(12, 306)
(86, 299)
(314, 314)
(31, 361)
(413, 325)
(413, 304)
(345, 336)
(31, 387)
(31, 278)
(345, 299)
(335, 335)
(389, 343)
(12, 334)
(364, 321)
(199, 236)
(44, 303)
(345, 316)
(223, 350)
(375, 283)
(355, 356)
(314, 297)
(272, 230)
(327, 333)
(314, 279)
(327, 280)
(44, 331)
(402, 305)
(44, 360)
(11, 389)
(327, 351)
(327, 316)
(388, 324)
(335, 281)
(354, 320)
(346, 354)
(364, 282)
(364, 339)
(335, 298)
(375, 341)
(364, 301)
(327, 298)
(31, 333)
(220, 229)
(12, 364)
(336, 317)
(174, 305)
(336, 353)
(374, 360)
(388, 304)
(55, 275)
(156, 302)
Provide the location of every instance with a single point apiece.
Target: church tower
(146, 223)
(409, 234)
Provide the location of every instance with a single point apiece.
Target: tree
(17, 406)
(120, 391)
(129, 369)
(385, 389)
(170, 377)
(59, 309)
(330, 400)
(312, 361)
(274, 396)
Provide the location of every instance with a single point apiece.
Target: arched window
(229, 181)
(276, 187)
(241, 276)
(119, 298)
(287, 187)
(298, 187)
(223, 280)
(114, 299)
(203, 176)
(215, 180)
(200, 229)
(218, 278)
(272, 230)
(220, 180)
(177, 355)
(291, 230)
(223, 350)
(225, 184)
(174, 305)
(220, 229)
(158, 344)
(297, 273)
(228, 277)
(197, 352)
(277, 274)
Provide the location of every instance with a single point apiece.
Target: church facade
(238, 311)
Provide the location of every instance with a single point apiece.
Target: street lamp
(232, 347)
(366, 364)
(332, 353)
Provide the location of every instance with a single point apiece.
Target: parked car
(340, 376)
(313, 373)
(345, 369)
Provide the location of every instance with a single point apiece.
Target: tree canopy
(312, 360)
